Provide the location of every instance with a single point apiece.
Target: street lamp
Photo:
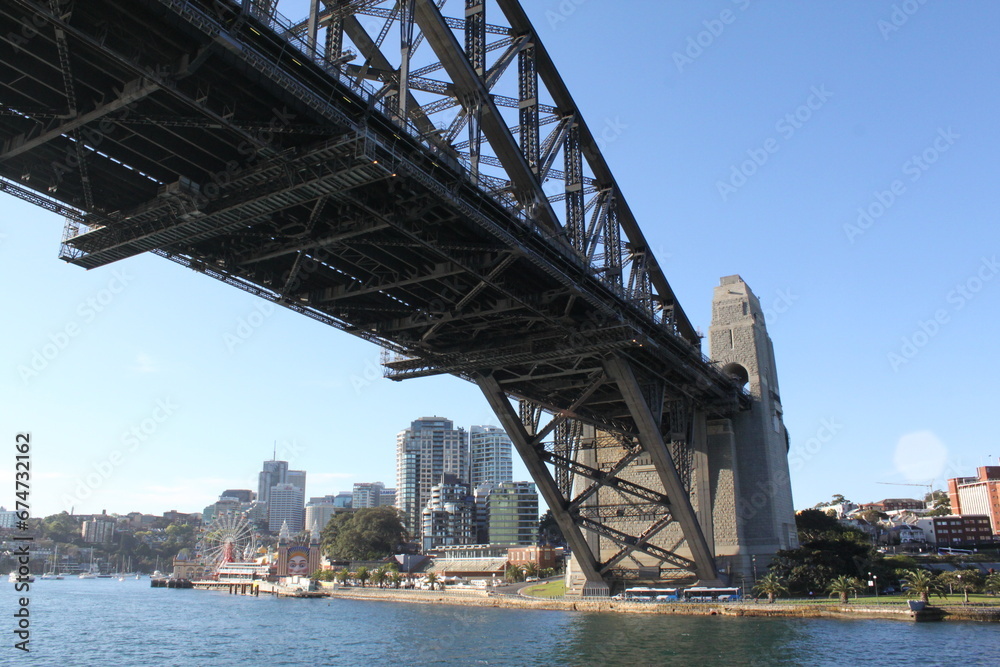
(754, 560)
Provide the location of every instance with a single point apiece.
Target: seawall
(760, 609)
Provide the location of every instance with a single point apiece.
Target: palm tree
(432, 580)
(530, 570)
(343, 575)
(362, 575)
(379, 576)
(513, 573)
(843, 586)
(923, 583)
(771, 585)
(395, 578)
(992, 583)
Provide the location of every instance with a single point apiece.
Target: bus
(646, 594)
(707, 594)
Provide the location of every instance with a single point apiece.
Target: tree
(771, 585)
(60, 528)
(395, 578)
(872, 516)
(343, 575)
(367, 534)
(513, 574)
(379, 576)
(923, 583)
(843, 586)
(362, 575)
(529, 570)
(815, 524)
(967, 581)
(549, 531)
(836, 500)
(432, 580)
(992, 583)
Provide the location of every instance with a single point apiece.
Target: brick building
(892, 504)
(963, 530)
(978, 495)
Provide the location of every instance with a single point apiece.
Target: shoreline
(759, 610)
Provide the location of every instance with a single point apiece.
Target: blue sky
(839, 161)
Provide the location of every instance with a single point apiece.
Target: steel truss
(445, 199)
(646, 510)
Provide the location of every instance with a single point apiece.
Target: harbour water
(110, 622)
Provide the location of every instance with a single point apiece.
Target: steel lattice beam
(652, 441)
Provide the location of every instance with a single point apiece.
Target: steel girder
(359, 211)
(636, 504)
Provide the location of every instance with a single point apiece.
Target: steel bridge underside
(226, 153)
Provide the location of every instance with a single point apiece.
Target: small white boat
(14, 578)
(87, 575)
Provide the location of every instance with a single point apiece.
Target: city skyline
(842, 168)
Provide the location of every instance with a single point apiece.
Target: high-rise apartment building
(286, 504)
(448, 518)
(489, 456)
(430, 448)
(512, 513)
(367, 494)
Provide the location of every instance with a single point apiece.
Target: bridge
(421, 180)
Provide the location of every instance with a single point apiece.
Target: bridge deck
(207, 138)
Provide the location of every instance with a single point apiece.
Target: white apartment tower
(489, 456)
(431, 448)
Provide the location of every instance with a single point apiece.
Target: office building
(243, 495)
(286, 504)
(272, 474)
(512, 513)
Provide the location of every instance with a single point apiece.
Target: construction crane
(928, 500)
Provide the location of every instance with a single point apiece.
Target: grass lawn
(550, 589)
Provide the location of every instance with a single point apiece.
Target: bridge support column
(651, 439)
(547, 486)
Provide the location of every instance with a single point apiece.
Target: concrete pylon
(739, 483)
(747, 457)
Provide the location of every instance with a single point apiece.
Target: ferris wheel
(229, 538)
